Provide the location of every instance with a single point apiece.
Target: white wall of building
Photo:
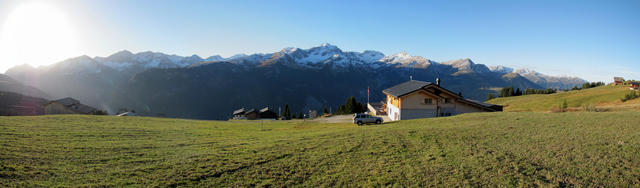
(393, 112)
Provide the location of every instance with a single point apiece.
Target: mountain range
(210, 88)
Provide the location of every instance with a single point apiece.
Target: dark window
(428, 101)
(447, 100)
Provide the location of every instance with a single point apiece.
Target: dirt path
(343, 119)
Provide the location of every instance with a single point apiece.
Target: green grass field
(605, 97)
(481, 149)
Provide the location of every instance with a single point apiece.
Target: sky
(594, 40)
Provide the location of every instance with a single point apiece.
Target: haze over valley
(159, 84)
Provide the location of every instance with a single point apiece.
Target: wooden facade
(57, 108)
(415, 99)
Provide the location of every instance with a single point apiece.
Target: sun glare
(36, 33)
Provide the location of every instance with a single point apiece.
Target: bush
(351, 106)
(555, 109)
(560, 108)
(589, 108)
(631, 95)
(491, 96)
(99, 112)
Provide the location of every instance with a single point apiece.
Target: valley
(157, 84)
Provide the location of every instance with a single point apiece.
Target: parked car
(366, 118)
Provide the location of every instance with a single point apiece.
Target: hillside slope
(8, 84)
(604, 97)
(15, 104)
(477, 150)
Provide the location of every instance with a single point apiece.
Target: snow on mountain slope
(314, 57)
(124, 60)
(557, 82)
(215, 58)
(406, 60)
(467, 66)
(501, 69)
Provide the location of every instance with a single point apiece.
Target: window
(447, 100)
(428, 101)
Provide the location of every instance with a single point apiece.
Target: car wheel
(378, 121)
(359, 123)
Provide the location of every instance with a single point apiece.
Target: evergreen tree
(586, 85)
(505, 92)
(325, 111)
(351, 106)
(341, 110)
(300, 115)
(518, 92)
(287, 113)
(491, 96)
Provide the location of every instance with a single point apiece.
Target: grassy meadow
(481, 149)
(606, 98)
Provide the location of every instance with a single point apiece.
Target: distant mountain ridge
(313, 57)
(306, 79)
(8, 84)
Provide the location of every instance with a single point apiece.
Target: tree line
(512, 92)
(350, 106)
(588, 85)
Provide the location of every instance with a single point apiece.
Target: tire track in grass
(290, 146)
(305, 164)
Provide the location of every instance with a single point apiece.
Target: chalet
(618, 81)
(68, 106)
(416, 99)
(252, 114)
(634, 85)
(239, 114)
(266, 113)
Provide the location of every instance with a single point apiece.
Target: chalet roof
(490, 107)
(405, 88)
(75, 105)
(67, 101)
(618, 79)
(239, 111)
(82, 108)
(264, 109)
(251, 111)
(127, 114)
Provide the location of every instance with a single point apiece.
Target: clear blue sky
(594, 40)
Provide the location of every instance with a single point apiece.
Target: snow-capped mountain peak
(466, 65)
(238, 56)
(524, 71)
(501, 69)
(215, 58)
